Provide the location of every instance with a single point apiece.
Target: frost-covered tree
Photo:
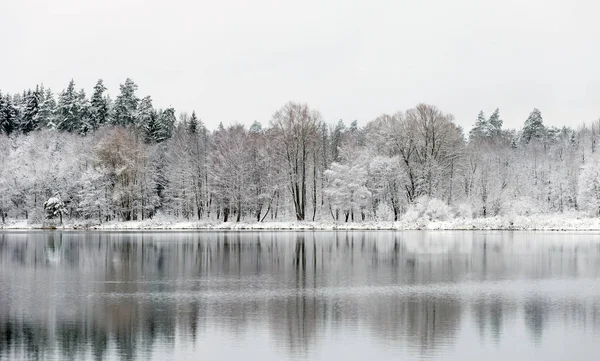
(86, 124)
(126, 104)
(30, 119)
(495, 124)
(182, 193)
(337, 136)
(99, 106)
(386, 179)
(55, 207)
(589, 187)
(230, 171)
(265, 175)
(193, 124)
(153, 130)
(295, 127)
(125, 160)
(479, 129)
(487, 128)
(428, 144)
(47, 111)
(166, 119)
(346, 190)
(94, 202)
(145, 119)
(8, 115)
(68, 109)
(534, 127)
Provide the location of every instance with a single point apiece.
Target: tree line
(125, 160)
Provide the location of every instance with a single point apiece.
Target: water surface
(299, 295)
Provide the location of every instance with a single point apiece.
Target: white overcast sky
(239, 61)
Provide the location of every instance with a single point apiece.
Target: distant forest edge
(98, 160)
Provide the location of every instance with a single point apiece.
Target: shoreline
(518, 223)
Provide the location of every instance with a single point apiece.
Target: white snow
(555, 222)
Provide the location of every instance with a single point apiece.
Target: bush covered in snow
(463, 211)
(426, 209)
(522, 206)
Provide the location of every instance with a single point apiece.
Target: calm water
(299, 296)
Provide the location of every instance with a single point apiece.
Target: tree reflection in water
(75, 294)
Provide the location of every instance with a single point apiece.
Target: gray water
(299, 295)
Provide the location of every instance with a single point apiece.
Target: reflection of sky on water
(274, 295)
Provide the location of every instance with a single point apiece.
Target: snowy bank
(557, 222)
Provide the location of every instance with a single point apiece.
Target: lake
(322, 295)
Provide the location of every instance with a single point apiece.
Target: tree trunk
(225, 214)
(314, 186)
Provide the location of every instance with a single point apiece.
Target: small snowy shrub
(384, 212)
(36, 217)
(522, 206)
(427, 209)
(463, 211)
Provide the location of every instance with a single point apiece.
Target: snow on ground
(557, 222)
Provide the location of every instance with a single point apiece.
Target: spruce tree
(19, 101)
(495, 124)
(145, 114)
(479, 129)
(8, 115)
(47, 110)
(153, 129)
(256, 127)
(534, 126)
(336, 140)
(126, 104)
(67, 117)
(167, 119)
(30, 120)
(193, 124)
(99, 106)
(86, 125)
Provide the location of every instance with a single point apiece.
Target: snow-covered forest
(121, 159)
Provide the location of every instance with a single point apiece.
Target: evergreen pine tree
(47, 109)
(125, 109)
(534, 126)
(18, 100)
(8, 115)
(99, 106)
(167, 119)
(2, 106)
(86, 125)
(67, 117)
(495, 124)
(30, 119)
(145, 114)
(154, 130)
(336, 140)
(193, 124)
(256, 127)
(479, 129)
